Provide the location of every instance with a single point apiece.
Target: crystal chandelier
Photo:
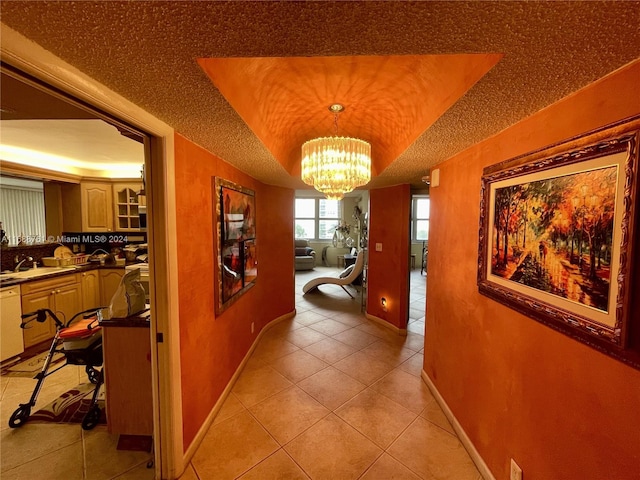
(336, 165)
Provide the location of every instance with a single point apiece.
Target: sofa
(305, 256)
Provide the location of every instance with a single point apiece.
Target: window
(305, 218)
(22, 210)
(329, 218)
(316, 218)
(420, 219)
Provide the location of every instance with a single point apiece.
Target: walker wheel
(20, 416)
(91, 419)
(92, 374)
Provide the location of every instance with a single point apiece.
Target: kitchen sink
(32, 273)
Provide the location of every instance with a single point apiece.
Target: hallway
(332, 395)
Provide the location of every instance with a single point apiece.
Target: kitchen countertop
(9, 282)
(141, 319)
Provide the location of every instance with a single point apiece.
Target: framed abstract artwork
(557, 231)
(235, 224)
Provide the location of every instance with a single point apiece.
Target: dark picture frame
(557, 235)
(235, 224)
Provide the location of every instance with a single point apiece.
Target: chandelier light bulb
(336, 165)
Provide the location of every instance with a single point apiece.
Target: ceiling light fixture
(336, 165)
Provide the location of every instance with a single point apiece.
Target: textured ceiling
(148, 52)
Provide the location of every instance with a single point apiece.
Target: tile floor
(327, 394)
(46, 451)
(417, 301)
(331, 395)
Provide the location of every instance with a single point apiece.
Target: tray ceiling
(389, 100)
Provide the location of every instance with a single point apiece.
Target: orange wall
(213, 347)
(561, 409)
(388, 271)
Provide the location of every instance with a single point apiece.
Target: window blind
(22, 213)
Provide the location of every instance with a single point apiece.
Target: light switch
(378, 247)
(435, 178)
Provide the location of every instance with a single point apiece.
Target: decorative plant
(343, 227)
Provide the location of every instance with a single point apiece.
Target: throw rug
(31, 366)
(71, 406)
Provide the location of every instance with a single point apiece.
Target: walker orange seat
(80, 341)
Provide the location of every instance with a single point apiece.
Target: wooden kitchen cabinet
(87, 207)
(68, 301)
(38, 332)
(109, 281)
(62, 295)
(126, 206)
(97, 215)
(90, 282)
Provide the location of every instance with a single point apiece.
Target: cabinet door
(109, 281)
(90, 289)
(126, 203)
(68, 301)
(38, 332)
(127, 352)
(97, 201)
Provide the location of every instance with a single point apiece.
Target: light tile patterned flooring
(326, 395)
(332, 395)
(47, 451)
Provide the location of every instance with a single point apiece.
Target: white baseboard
(462, 435)
(197, 440)
(400, 331)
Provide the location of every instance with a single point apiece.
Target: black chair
(425, 251)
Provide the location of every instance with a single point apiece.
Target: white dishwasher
(11, 340)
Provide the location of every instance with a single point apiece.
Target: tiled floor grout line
(115, 477)
(85, 473)
(294, 461)
(387, 450)
(264, 427)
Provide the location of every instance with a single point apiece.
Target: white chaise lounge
(346, 277)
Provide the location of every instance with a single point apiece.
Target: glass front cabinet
(127, 206)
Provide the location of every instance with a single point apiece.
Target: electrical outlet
(253, 327)
(378, 247)
(516, 471)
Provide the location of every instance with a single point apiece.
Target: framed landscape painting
(557, 232)
(235, 224)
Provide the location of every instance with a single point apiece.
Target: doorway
(419, 248)
(32, 100)
(328, 237)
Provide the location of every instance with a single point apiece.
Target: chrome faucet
(26, 259)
